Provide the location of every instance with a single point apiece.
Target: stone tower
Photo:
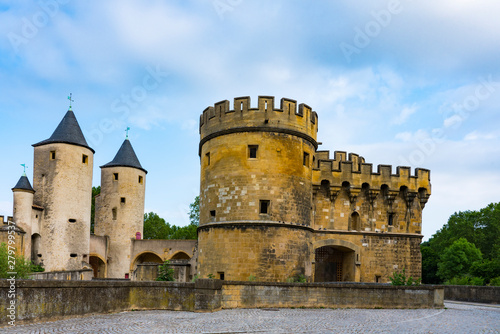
(120, 208)
(62, 177)
(23, 202)
(256, 189)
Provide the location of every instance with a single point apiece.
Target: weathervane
(24, 165)
(70, 100)
(126, 131)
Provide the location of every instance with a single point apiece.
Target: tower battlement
(292, 118)
(353, 169)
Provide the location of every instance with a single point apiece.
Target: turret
(256, 188)
(23, 202)
(120, 207)
(62, 176)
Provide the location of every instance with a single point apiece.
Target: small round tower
(256, 189)
(120, 207)
(62, 176)
(23, 202)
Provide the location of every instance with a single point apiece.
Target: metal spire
(24, 165)
(70, 100)
(126, 131)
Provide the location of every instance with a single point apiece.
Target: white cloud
(405, 114)
(475, 135)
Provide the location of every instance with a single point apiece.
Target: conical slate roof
(125, 158)
(68, 131)
(23, 184)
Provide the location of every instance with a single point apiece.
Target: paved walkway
(456, 318)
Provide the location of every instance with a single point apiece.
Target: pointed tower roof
(68, 132)
(23, 184)
(125, 157)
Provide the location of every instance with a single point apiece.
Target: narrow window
(221, 275)
(115, 176)
(72, 220)
(72, 254)
(305, 160)
(208, 158)
(265, 107)
(140, 179)
(252, 151)
(377, 279)
(212, 213)
(241, 106)
(391, 219)
(122, 200)
(85, 159)
(264, 206)
(126, 276)
(113, 211)
(52, 155)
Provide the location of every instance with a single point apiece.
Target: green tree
(194, 211)
(11, 262)
(481, 228)
(457, 259)
(95, 191)
(156, 227)
(430, 259)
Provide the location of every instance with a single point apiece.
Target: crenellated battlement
(291, 117)
(3, 221)
(353, 169)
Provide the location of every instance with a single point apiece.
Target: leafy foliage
(465, 280)
(22, 266)
(194, 211)
(399, 279)
(156, 227)
(495, 281)
(479, 228)
(166, 273)
(300, 278)
(457, 259)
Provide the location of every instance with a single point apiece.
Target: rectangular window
(52, 155)
(85, 159)
(252, 151)
(212, 213)
(305, 160)
(115, 176)
(378, 279)
(140, 179)
(264, 206)
(122, 200)
(391, 219)
(113, 211)
(221, 275)
(208, 158)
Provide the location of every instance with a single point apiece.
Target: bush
(465, 280)
(11, 262)
(252, 278)
(495, 281)
(399, 279)
(300, 278)
(166, 273)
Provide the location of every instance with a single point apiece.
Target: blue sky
(398, 82)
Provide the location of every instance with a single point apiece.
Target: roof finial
(24, 165)
(70, 100)
(126, 131)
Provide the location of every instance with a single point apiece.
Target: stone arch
(180, 255)
(98, 264)
(335, 260)
(146, 256)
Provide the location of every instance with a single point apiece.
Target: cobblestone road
(456, 318)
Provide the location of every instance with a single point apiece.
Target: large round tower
(120, 207)
(23, 203)
(62, 177)
(256, 189)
